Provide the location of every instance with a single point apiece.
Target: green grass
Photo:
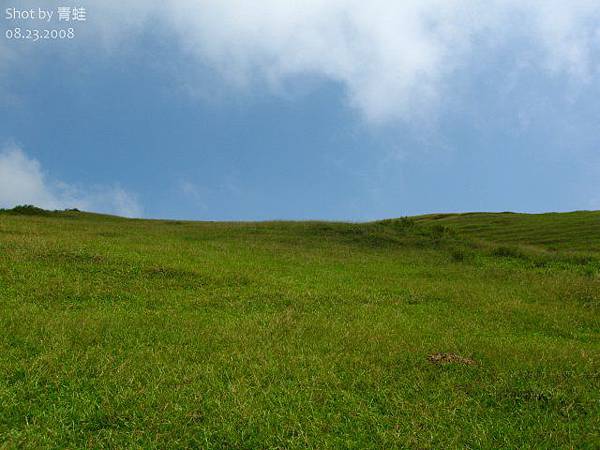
(131, 333)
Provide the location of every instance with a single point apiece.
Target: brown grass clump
(450, 358)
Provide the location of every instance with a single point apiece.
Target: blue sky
(326, 110)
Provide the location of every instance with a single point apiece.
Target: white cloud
(22, 181)
(393, 58)
(568, 31)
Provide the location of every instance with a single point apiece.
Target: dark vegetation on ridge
(446, 330)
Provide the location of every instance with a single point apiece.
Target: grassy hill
(452, 330)
(553, 231)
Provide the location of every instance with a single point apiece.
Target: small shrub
(581, 260)
(27, 210)
(439, 229)
(407, 222)
(402, 224)
(507, 252)
(591, 270)
(460, 255)
(438, 233)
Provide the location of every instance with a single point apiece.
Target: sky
(319, 109)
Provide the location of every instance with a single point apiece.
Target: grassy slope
(127, 333)
(554, 231)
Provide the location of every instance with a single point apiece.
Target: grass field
(133, 333)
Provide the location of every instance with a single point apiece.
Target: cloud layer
(394, 59)
(22, 181)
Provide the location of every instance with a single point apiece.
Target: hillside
(449, 330)
(575, 231)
